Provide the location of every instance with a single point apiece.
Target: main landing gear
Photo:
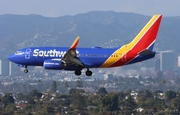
(78, 72)
(88, 72)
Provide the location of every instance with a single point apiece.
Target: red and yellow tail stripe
(143, 40)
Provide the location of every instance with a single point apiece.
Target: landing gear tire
(88, 73)
(25, 71)
(78, 72)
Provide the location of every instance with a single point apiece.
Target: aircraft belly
(93, 62)
(141, 58)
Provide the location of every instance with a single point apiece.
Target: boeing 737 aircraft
(75, 59)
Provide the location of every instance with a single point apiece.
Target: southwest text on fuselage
(48, 53)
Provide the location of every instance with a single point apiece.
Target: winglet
(75, 43)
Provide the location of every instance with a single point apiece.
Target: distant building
(7, 83)
(179, 61)
(178, 64)
(0, 67)
(157, 65)
(38, 68)
(5, 67)
(108, 76)
(167, 61)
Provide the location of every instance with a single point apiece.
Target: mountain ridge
(96, 28)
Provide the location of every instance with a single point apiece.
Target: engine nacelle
(52, 64)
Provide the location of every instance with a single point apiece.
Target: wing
(70, 57)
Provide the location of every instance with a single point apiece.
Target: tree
(109, 102)
(72, 91)
(31, 100)
(10, 108)
(79, 86)
(129, 106)
(93, 99)
(54, 87)
(35, 94)
(7, 99)
(79, 102)
(176, 104)
(79, 83)
(121, 95)
(20, 96)
(155, 103)
(46, 110)
(67, 85)
(145, 93)
(102, 91)
(170, 95)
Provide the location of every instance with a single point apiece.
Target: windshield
(18, 53)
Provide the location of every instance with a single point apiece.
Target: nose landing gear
(25, 70)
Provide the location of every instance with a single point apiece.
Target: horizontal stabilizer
(145, 52)
(165, 51)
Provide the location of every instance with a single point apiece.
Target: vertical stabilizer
(142, 44)
(147, 36)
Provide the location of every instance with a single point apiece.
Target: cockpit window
(18, 52)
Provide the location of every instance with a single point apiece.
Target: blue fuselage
(93, 57)
(37, 55)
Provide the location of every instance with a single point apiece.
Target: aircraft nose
(11, 57)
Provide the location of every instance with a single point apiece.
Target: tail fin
(141, 45)
(147, 36)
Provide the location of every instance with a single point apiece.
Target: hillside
(97, 28)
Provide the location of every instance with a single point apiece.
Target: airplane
(76, 59)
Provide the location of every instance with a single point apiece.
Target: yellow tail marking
(125, 48)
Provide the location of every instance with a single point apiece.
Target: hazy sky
(55, 8)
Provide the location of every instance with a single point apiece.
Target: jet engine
(52, 64)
